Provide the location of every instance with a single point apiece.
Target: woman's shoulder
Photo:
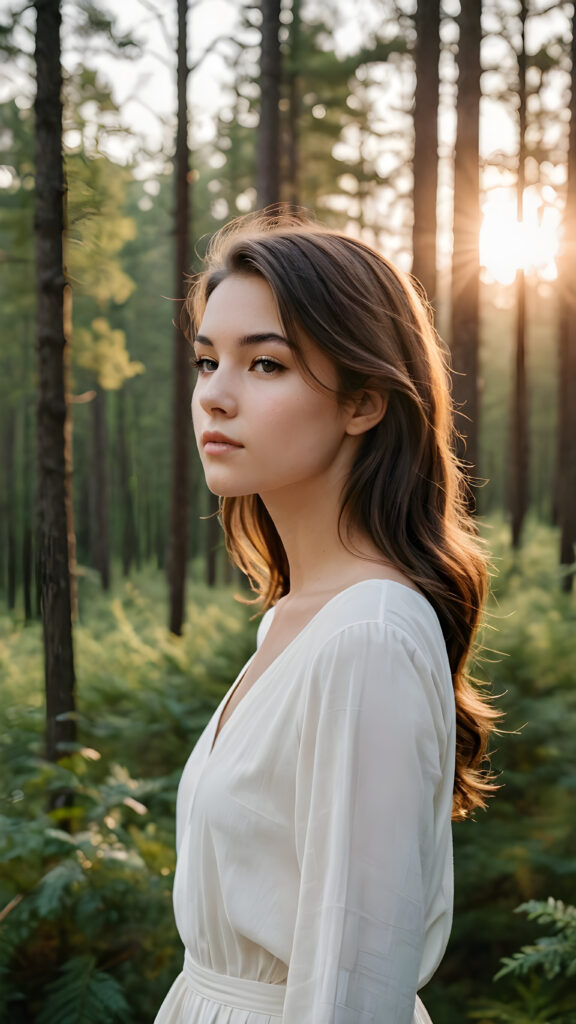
(366, 612)
(378, 599)
(380, 632)
(377, 606)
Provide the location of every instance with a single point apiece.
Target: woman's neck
(322, 559)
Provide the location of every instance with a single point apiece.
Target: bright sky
(145, 88)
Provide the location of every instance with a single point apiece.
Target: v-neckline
(217, 731)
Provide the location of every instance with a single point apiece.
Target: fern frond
(553, 954)
(52, 888)
(83, 995)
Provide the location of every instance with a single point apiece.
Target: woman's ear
(367, 408)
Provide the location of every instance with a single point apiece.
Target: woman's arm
(374, 747)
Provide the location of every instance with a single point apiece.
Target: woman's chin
(226, 491)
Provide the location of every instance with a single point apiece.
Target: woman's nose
(216, 393)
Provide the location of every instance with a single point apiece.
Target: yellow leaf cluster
(102, 349)
(98, 230)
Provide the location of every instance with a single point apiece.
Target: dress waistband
(241, 993)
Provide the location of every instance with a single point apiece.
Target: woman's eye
(263, 365)
(267, 366)
(204, 365)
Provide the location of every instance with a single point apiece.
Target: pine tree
(466, 256)
(519, 452)
(181, 385)
(427, 58)
(51, 422)
(567, 391)
(268, 157)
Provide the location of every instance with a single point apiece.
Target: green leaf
(52, 889)
(83, 995)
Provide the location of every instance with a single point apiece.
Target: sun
(506, 245)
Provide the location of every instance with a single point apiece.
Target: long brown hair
(406, 489)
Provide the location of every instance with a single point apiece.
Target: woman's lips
(220, 447)
(215, 443)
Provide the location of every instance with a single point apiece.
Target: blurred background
(443, 134)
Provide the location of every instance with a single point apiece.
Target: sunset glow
(507, 245)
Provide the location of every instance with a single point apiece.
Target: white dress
(314, 876)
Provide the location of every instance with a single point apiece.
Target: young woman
(314, 876)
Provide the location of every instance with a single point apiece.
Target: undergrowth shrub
(524, 846)
(86, 921)
(547, 992)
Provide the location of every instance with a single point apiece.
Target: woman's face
(260, 425)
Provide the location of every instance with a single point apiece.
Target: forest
(443, 133)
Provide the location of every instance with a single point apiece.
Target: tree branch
(211, 46)
(148, 6)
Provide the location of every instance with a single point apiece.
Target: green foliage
(87, 930)
(86, 917)
(90, 23)
(16, 256)
(91, 893)
(102, 350)
(83, 995)
(498, 326)
(531, 1004)
(555, 954)
(103, 891)
(98, 230)
(524, 846)
(336, 125)
(550, 959)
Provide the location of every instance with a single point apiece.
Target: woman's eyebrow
(249, 339)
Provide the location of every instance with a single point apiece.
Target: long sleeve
(373, 837)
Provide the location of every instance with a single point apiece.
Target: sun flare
(507, 245)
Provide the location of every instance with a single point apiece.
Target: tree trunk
(214, 538)
(69, 461)
(85, 526)
(160, 542)
(268, 155)
(27, 567)
(519, 452)
(427, 58)
(128, 526)
(101, 536)
(52, 410)
(294, 109)
(567, 362)
(27, 525)
(9, 508)
(181, 382)
(149, 529)
(12, 566)
(466, 256)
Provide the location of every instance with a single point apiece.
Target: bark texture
(268, 154)
(294, 109)
(52, 411)
(466, 256)
(519, 451)
(101, 537)
(426, 144)
(567, 392)
(181, 366)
